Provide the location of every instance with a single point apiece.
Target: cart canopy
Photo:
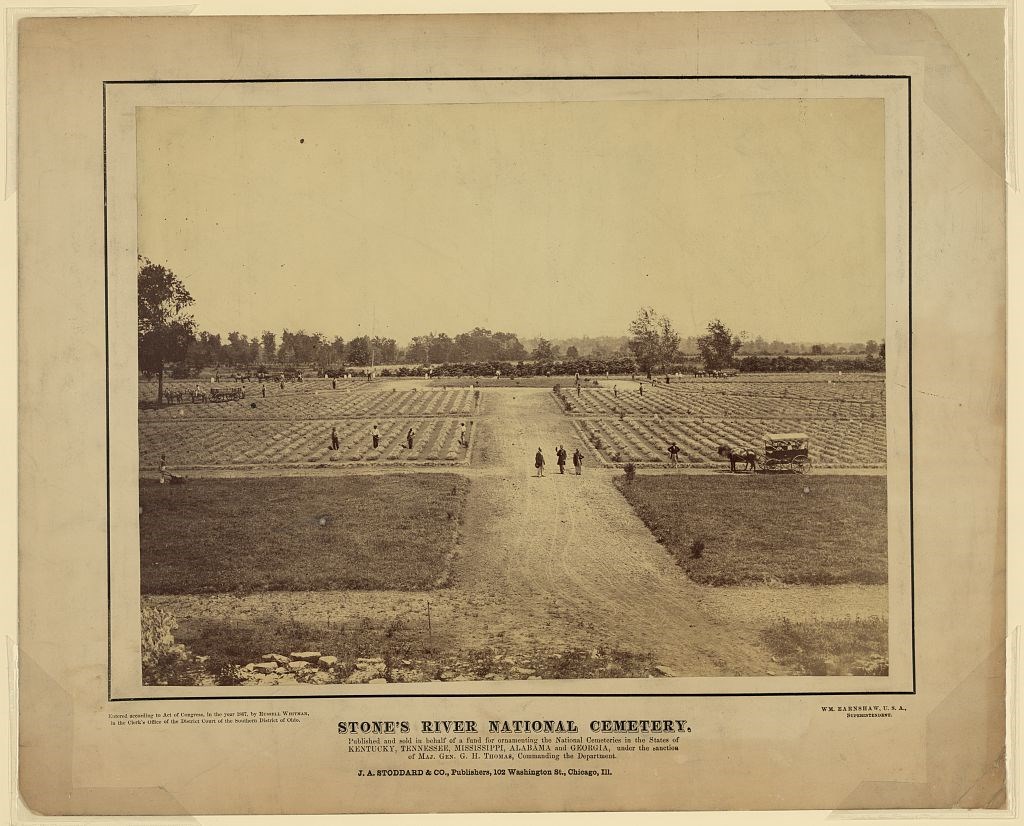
(785, 437)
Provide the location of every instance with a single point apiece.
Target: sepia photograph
(512, 391)
(513, 413)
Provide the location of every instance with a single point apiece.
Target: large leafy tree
(652, 339)
(719, 346)
(165, 328)
(544, 351)
(359, 351)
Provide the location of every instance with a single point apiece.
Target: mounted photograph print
(512, 413)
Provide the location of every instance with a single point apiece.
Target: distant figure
(367, 376)
(476, 398)
(408, 437)
(497, 374)
(562, 455)
(375, 433)
(334, 439)
(538, 462)
(577, 461)
(263, 390)
(166, 477)
(667, 380)
(577, 390)
(462, 434)
(673, 452)
(641, 388)
(615, 390)
(334, 384)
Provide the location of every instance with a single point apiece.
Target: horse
(748, 457)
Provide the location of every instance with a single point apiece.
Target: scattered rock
(407, 675)
(308, 656)
(664, 671)
(263, 668)
(327, 662)
(366, 675)
(378, 680)
(298, 665)
(280, 659)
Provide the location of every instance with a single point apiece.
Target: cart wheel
(801, 464)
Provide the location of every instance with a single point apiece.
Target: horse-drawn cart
(786, 451)
(227, 394)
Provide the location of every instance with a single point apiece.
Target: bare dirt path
(566, 554)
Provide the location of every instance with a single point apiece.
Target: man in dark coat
(562, 456)
(538, 462)
(577, 461)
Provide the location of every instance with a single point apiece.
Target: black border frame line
(499, 78)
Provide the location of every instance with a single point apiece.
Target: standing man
(538, 462)
(561, 454)
(375, 433)
(673, 451)
(641, 389)
(615, 390)
(577, 461)
(334, 384)
(334, 438)
(263, 389)
(462, 434)
(408, 437)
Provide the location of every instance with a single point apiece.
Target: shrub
(630, 471)
(697, 548)
(165, 662)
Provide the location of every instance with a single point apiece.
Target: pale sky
(553, 219)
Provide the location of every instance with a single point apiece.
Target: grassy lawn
(858, 647)
(763, 527)
(299, 533)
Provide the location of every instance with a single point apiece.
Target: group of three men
(562, 455)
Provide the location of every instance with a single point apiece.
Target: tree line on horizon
(168, 335)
